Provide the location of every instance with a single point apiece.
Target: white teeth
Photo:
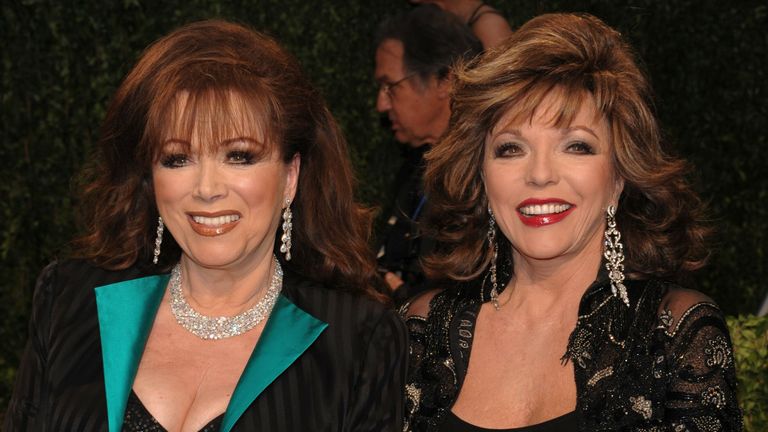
(541, 209)
(215, 221)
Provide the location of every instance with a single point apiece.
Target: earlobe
(444, 86)
(292, 176)
(618, 189)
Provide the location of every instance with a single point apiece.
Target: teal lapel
(126, 313)
(287, 334)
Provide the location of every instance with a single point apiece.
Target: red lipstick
(543, 218)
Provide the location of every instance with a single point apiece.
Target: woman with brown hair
(564, 228)
(226, 279)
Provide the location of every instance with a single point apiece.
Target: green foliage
(61, 62)
(750, 347)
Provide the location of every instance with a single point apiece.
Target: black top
(564, 423)
(350, 378)
(402, 243)
(139, 419)
(664, 363)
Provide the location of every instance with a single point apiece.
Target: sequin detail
(600, 375)
(666, 319)
(642, 406)
(713, 396)
(708, 424)
(718, 353)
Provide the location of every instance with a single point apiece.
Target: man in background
(414, 55)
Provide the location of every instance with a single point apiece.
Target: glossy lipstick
(213, 224)
(542, 212)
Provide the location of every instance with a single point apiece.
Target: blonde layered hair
(579, 56)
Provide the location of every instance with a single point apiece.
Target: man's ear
(444, 86)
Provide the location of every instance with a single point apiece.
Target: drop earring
(285, 246)
(158, 239)
(495, 251)
(614, 254)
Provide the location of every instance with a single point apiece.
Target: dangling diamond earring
(495, 247)
(285, 247)
(614, 254)
(158, 239)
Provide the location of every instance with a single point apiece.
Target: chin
(211, 259)
(543, 252)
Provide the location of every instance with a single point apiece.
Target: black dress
(662, 364)
(326, 360)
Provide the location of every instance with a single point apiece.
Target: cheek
(263, 192)
(500, 183)
(167, 186)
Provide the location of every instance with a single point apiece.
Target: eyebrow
(563, 131)
(241, 138)
(579, 127)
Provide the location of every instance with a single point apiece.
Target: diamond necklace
(207, 327)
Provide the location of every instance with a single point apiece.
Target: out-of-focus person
(414, 54)
(225, 279)
(563, 231)
(486, 22)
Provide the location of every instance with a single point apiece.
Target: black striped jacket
(326, 361)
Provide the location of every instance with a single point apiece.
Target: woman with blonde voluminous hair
(563, 228)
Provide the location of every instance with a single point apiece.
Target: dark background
(61, 62)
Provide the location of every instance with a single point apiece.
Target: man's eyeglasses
(387, 87)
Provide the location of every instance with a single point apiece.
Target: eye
(241, 157)
(176, 160)
(580, 147)
(508, 149)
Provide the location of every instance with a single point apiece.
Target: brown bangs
(211, 115)
(521, 106)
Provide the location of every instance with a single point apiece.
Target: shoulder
(419, 306)
(680, 307)
(490, 26)
(75, 278)
(342, 311)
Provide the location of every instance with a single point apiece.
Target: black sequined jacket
(662, 364)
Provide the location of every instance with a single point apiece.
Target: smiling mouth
(216, 221)
(543, 214)
(211, 226)
(543, 209)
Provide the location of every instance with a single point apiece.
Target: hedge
(61, 63)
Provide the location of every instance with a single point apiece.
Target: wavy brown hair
(218, 65)
(660, 217)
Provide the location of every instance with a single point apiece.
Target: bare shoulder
(681, 299)
(491, 29)
(680, 304)
(419, 306)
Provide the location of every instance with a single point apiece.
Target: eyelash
(510, 149)
(581, 148)
(505, 149)
(240, 157)
(176, 160)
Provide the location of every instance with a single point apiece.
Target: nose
(383, 102)
(541, 169)
(210, 185)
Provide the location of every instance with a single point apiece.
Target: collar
(126, 311)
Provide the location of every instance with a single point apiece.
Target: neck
(539, 287)
(439, 125)
(225, 291)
